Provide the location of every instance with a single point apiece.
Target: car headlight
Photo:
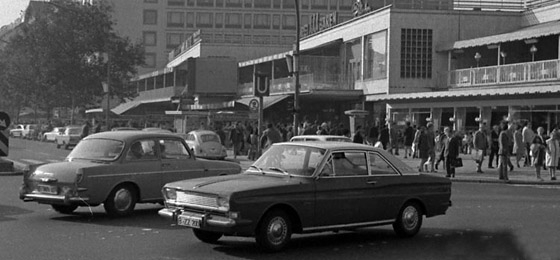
(169, 193)
(223, 203)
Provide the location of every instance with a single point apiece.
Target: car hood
(61, 171)
(229, 184)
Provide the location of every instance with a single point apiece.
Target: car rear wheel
(64, 209)
(207, 236)
(121, 201)
(409, 220)
(274, 231)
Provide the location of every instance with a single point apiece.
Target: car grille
(197, 200)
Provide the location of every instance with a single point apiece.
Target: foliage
(56, 58)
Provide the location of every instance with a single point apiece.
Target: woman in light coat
(552, 153)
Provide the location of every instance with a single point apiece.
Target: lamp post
(533, 49)
(477, 57)
(296, 71)
(503, 54)
(107, 90)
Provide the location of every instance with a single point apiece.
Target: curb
(511, 182)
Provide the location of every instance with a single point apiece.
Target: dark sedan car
(305, 187)
(117, 169)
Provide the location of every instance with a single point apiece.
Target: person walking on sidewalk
(494, 146)
(440, 143)
(408, 139)
(541, 135)
(480, 145)
(528, 137)
(552, 152)
(538, 152)
(503, 152)
(453, 146)
(518, 145)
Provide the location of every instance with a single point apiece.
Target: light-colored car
(206, 144)
(30, 131)
(51, 136)
(305, 187)
(17, 131)
(156, 129)
(124, 128)
(117, 169)
(70, 137)
(316, 138)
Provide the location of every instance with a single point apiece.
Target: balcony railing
(506, 74)
(307, 82)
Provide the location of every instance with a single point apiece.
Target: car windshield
(97, 149)
(209, 138)
(290, 160)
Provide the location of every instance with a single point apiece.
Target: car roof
(202, 132)
(128, 136)
(321, 136)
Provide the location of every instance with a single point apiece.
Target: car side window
(142, 150)
(173, 149)
(379, 166)
(349, 163)
(190, 137)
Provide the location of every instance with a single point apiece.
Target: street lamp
(107, 89)
(477, 57)
(503, 54)
(533, 49)
(296, 71)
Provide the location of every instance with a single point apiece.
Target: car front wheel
(64, 209)
(121, 201)
(274, 231)
(207, 236)
(409, 220)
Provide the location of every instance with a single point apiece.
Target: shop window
(319, 4)
(219, 20)
(176, 2)
(150, 60)
(233, 21)
(375, 56)
(416, 53)
(204, 20)
(262, 21)
(288, 22)
(234, 3)
(262, 3)
(149, 38)
(354, 55)
(247, 21)
(176, 19)
(174, 40)
(150, 17)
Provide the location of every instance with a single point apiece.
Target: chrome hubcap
(410, 217)
(123, 199)
(277, 230)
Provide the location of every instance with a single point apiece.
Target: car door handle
(371, 182)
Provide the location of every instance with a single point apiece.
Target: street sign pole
(260, 125)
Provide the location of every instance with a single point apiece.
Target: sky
(11, 10)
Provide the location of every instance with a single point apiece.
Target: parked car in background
(305, 187)
(51, 136)
(124, 128)
(117, 169)
(70, 137)
(30, 131)
(315, 138)
(17, 131)
(156, 129)
(206, 144)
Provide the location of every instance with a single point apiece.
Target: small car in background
(316, 138)
(17, 131)
(70, 137)
(117, 169)
(30, 131)
(306, 187)
(206, 144)
(51, 136)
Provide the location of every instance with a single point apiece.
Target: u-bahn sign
(4, 133)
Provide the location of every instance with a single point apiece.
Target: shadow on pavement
(7, 211)
(384, 244)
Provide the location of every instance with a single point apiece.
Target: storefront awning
(122, 108)
(525, 90)
(540, 30)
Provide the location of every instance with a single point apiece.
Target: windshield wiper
(258, 169)
(280, 170)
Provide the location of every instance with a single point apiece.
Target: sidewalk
(467, 173)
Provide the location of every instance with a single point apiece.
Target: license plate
(189, 221)
(47, 189)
